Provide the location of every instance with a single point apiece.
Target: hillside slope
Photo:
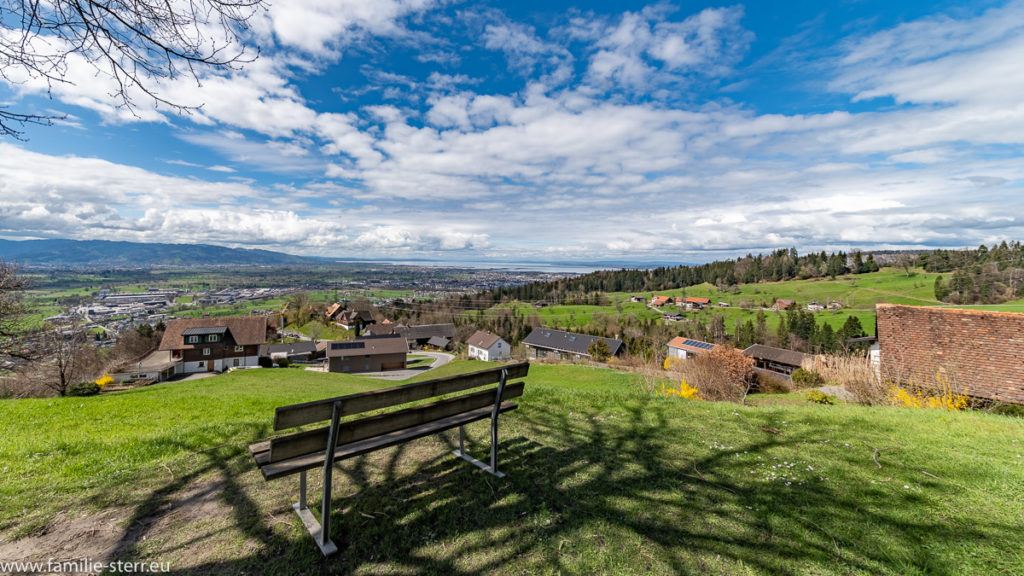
(604, 477)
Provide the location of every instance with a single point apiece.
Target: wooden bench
(321, 447)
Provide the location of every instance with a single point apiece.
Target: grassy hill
(603, 477)
(857, 293)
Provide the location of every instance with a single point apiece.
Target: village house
(978, 352)
(658, 301)
(354, 319)
(547, 343)
(487, 347)
(215, 344)
(776, 360)
(684, 348)
(783, 304)
(815, 306)
(333, 310)
(437, 336)
(368, 354)
(696, 302)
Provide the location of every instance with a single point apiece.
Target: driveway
(440, 359)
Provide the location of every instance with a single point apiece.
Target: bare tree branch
(134, 43)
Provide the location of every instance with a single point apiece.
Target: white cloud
(644, 49)
(592, 163)
(322, 27)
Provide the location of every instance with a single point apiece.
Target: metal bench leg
(461, 452)
(321, 531)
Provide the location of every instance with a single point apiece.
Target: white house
(488, 347)
(684, 348)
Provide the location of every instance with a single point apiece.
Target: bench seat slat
(319, 410)
(272, 470)
(259, 447)
(309, 441)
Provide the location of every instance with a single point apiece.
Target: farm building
(547, 343)
(433, 335)
(696, 302)
(680, 347)
(979, 351)
(294, 352)
(776, 359)
(487, 347)
(368, 354)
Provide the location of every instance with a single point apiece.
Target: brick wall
(978, 350)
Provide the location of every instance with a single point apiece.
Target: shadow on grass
(597, 492)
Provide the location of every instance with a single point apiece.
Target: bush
(723, 373)
(1008, 410)
(265, 362)
(819, 397)
(806, 378)
(283, 362)
(84, 389)
(770, 384)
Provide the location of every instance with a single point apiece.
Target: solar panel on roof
(347, 345)
(698, 344)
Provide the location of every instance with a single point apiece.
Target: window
(206, 351)
(239, 348)
(191, 339)
(213, 338)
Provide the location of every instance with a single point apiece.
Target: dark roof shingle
(568, 341)
(779, 355)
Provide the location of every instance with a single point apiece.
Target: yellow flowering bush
(946, 400)
(941, 396)
(104, 380)
(684, 391)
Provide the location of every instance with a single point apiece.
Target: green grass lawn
(603, 477)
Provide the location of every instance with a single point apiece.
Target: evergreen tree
(761, 329)
(941, 290)
(858, 263)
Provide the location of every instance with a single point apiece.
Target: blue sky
(551, 131)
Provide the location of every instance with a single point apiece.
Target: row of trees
(777, 266)
(980, 276)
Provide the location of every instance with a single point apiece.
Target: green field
(604, 477)
(858, 295)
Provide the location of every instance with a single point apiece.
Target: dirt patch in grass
(188, 517)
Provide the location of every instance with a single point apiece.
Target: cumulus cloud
(647, 48)
(587, 155)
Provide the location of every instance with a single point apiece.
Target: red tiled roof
(697, 300)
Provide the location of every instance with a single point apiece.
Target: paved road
(440, 359)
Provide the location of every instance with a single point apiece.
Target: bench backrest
(349, 431)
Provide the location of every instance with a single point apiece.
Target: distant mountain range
(61, 253)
